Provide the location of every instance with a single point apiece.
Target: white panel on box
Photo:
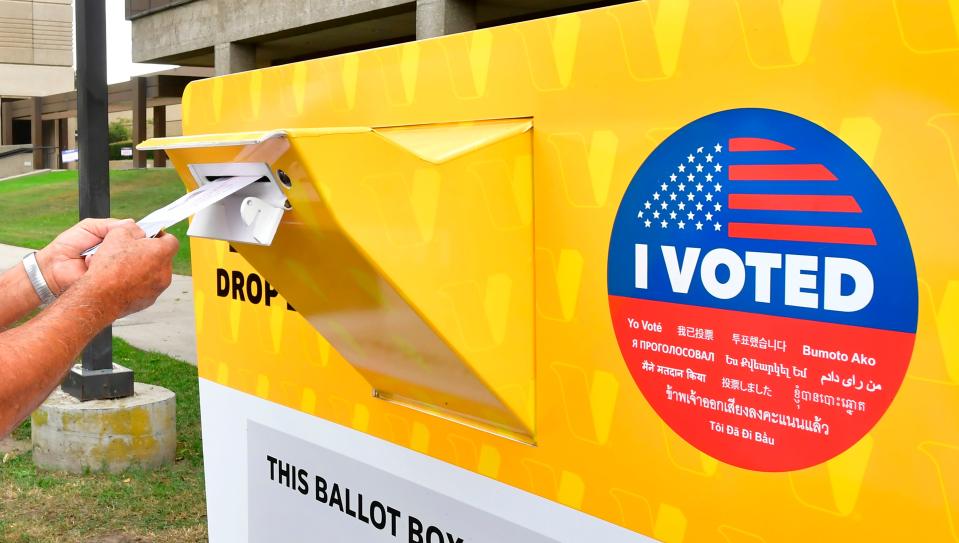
(300, 491)
(239, 431)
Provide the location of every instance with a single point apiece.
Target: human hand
(60, 261)
(129, 271)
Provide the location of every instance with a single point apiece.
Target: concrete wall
(15, 164)
(36, 32)
(174, 116)
(30, 80)
(36, 47)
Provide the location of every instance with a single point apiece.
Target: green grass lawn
(35, 208)
(135, 506)
(167, 505)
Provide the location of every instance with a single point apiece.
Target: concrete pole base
(106, 435)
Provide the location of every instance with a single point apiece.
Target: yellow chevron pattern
(603, 88)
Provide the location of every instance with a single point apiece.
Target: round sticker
(762, 289)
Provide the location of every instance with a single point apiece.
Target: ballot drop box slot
(251, 215)
(588, 277)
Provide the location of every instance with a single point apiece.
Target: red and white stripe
(744, 173)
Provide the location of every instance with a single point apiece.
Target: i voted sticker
(762, 289)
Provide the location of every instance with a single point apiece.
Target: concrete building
(36, 59)
(36, 47)
(234, 36)
(39, 106)
(53, 117)
(225, 36)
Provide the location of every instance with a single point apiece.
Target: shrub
(119, 130)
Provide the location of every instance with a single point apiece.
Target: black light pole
(98, 378)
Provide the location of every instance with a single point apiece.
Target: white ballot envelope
(187, 205)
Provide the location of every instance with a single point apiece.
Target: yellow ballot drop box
(666, 270)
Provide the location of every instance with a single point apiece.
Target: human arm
(19, 298)
(59, 262)
(126, 275)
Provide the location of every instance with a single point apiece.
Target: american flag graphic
(709, 182)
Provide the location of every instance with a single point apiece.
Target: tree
(119, 131)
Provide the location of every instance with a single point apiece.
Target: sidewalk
(167, 327)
